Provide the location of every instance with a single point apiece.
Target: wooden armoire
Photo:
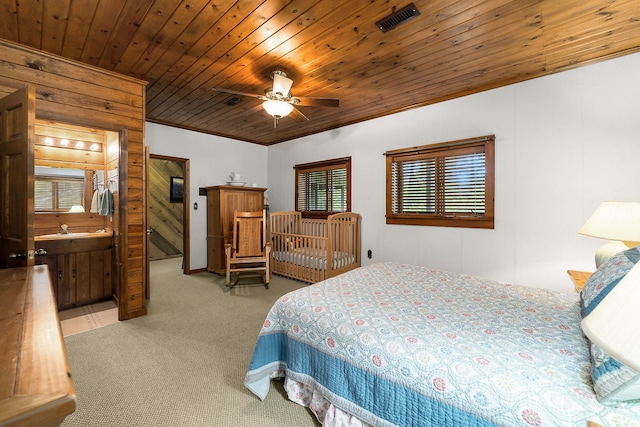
(222, 201)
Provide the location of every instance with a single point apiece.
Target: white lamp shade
(614, 221)
(277, 109)
(76, 208)
(281, 85)
(614, 324)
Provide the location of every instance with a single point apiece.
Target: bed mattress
(394, 344)
(301, 256)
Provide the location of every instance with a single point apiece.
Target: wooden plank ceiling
(330, 48)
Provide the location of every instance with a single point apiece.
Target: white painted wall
(211, 160)
(564, 144)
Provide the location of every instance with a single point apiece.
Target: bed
(394, 344)
(312, 250)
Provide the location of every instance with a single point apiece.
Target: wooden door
(17, 131)
(148, 230)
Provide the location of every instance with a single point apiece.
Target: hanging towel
(106, 207)
(95, 202)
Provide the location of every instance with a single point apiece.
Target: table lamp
(618, 222)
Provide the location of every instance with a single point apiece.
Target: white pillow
(613, 326)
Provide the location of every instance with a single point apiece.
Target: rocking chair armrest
(227, 248)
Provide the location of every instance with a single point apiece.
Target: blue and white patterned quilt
(395, 344)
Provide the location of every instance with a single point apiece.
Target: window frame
(484, 144)
(323, 165)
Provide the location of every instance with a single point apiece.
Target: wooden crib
(312, 250)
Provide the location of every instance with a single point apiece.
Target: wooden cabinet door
(81, 276)
(66, 286)
(232, 200)
(90, 276)
(254, 201)
(107, 276)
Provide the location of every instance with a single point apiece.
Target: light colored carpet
(184, 363)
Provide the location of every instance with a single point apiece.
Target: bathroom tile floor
(87, 317)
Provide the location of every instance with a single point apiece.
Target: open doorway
(168, 219)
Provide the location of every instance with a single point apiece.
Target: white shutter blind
(58, 194)
(43, 195)
(70, 193)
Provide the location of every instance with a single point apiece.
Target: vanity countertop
(71, 235)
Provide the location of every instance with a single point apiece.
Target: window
(450, 184)
(323, 188)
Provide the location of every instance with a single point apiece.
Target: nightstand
(579, 278)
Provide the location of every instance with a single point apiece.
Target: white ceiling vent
(397, 18)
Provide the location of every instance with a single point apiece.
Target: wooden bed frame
(312, 250)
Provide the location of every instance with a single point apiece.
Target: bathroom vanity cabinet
(80, 266)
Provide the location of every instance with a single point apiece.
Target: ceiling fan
(279, 101)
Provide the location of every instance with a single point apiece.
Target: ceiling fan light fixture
(278, 109)
(281, 84)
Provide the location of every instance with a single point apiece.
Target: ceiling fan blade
(249, 111)
(299, 113)
(235, 92)
(307, 101)
(281, 84)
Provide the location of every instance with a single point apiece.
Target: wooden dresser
(222, 200)
(35, 383)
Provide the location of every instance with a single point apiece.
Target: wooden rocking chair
(249, 249)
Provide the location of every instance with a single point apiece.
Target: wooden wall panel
(165, 218)
(71, 92)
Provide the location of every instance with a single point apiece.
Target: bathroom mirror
(71, 164)
(62, 189)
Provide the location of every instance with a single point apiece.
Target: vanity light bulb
(94, 147)
(48, 141)
(79, 144)
(64, 142)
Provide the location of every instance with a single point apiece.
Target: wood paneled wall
(165, 218)
(71, 92)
